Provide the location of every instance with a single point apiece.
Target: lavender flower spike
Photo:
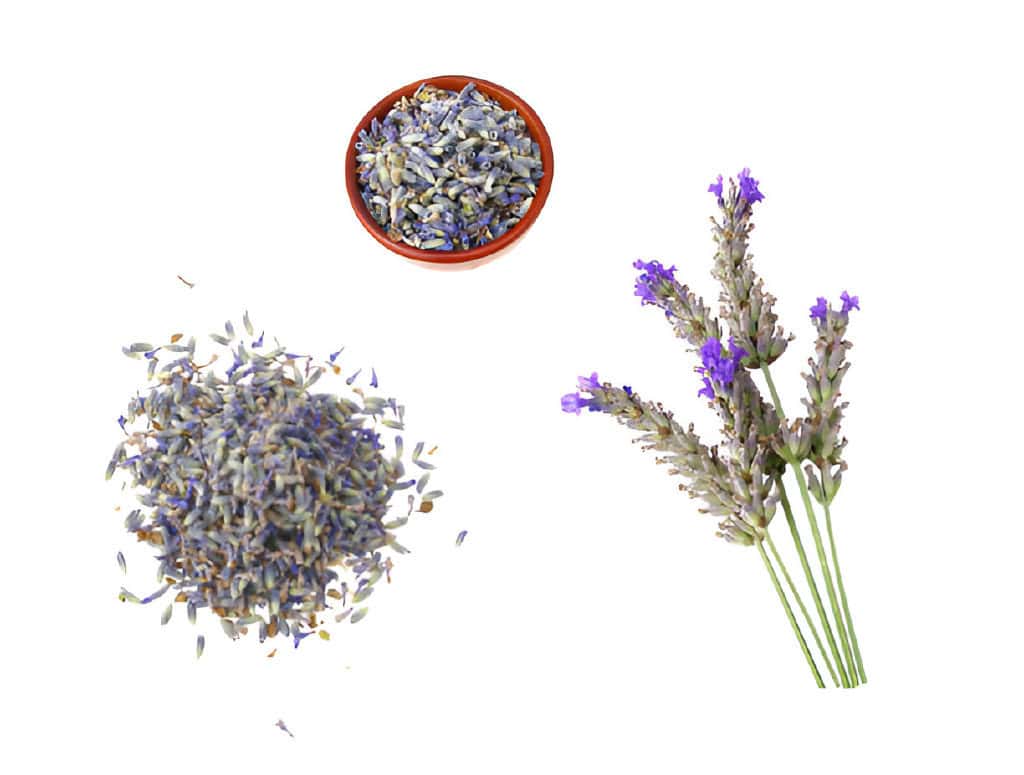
(745, 304)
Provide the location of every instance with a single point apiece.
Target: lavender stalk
(800, 603)
(789, 614)
(825, 414)
(795, 446)
(802, 554)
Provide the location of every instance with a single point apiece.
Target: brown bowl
(507, 100)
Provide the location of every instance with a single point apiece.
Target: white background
(591, 622)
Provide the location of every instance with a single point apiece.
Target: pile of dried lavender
(741, 479)
(448, 170)
(263, 498)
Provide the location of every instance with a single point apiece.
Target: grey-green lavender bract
(263, 498)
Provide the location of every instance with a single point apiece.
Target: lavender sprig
(741, 479)
(824, 410)
(825, 414)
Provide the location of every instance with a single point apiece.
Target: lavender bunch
(740, 479)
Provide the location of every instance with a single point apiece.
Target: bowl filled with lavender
(448, 170)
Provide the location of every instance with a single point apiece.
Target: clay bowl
(507, 100)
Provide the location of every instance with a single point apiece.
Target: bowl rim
(508, 100)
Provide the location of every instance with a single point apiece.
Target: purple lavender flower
(627, 390)
(572, 403)
(121, 421)
(716, 188)
(717, 366)
(590, 383)
(820, 310)
(849, 302)
(652, 274)
(748, 187)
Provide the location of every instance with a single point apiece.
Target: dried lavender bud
(745, 305)
(824, 409)
(448, 170)
(258, 493)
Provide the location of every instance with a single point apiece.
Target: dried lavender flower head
(448, 170)
(262, 497)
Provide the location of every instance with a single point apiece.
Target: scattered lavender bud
(258, 495)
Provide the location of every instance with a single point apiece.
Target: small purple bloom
(299, 636)
(748, 187)
(333, 356)
(820, 310)
(716, 187)
(710, 353)
(258, 342)
(849, 302)
(373, 378)
(653, 275)
(717, 367)
(572, 403)
(707, 390)
(590, 383)
(121, 421)
(628, 390)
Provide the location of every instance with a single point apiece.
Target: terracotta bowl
(507, 100)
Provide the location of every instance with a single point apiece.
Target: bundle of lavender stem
(740, 480)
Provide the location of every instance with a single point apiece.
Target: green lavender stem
(842, 596)
(816, 534)
(789, 615)
(791, 521)
(803, 608)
